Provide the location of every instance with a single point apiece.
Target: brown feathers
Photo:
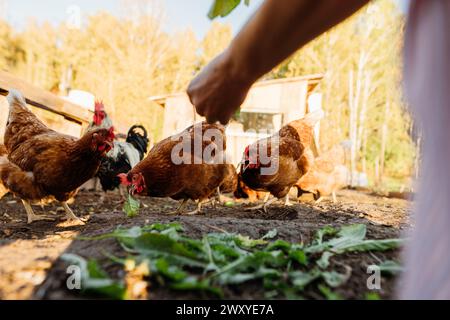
(3, 154)
(327, 175)
(290, 157)
(43, 163)
(195, 178)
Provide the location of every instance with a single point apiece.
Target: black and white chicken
(125, 154)
(123, 157)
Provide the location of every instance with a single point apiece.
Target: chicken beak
(132, 189)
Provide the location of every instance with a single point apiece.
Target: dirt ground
(30, 269)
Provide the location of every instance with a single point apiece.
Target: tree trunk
(384, 135)
(364, 150)
(351, 122)
(362, 115)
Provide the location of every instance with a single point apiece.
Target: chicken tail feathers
(18, 181)
(15, 97)
(139, 140)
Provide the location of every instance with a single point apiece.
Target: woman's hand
(219, 89)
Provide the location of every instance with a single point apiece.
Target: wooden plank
(45, 100)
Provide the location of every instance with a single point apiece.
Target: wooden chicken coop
(57, 113)
(269, 105)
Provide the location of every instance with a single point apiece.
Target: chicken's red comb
(124, 179)
(99, 106)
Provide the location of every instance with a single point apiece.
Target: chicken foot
(262, 206)
(216, 199)
(286, 201)
(102, 198)
(219, 196)
(319, 200)
(198, 210)
(180, 208)
(70, 216)
(333, 194)
(31, 216)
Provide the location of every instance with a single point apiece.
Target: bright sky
(180, 14)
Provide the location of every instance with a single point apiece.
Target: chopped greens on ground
(220, 260)
(93, 278)
(131, 206)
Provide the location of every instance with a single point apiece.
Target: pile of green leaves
(220, 260)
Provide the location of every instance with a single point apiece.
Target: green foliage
(218, 260)
(223, 8)
(328, 293)
(324, 260)
(131, 206)
(372, 296)
(390, 267)
(94, 279)
(352, 238)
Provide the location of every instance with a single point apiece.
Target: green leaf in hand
(222, 8)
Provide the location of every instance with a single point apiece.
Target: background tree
(215, 41)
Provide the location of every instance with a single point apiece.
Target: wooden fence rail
(45, 100)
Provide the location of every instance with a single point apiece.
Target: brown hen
(44, 165)
(163, 174)
(275, 164)
(327, 175)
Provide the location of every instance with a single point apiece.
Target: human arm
(275, 31)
